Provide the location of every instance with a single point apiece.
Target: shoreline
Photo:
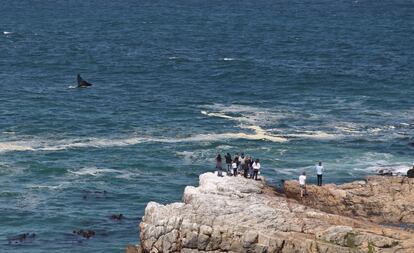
(229, 192)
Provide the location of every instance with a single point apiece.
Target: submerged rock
(21, 238)
(117, 217)
(234, 214)
(85, 233)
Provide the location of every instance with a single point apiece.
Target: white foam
(224, 147)
(7, 33)
(14, 146)
(375, 130)
(249, 119)
(219, 115)
(395, 169)
(93, 171)
(188, 156)
(9, 132)
(228, 59)
(282, 152)
(50, 187)
(185, 153)
(57, 145)
(93, 142)
(225, 136)
(127, 175)
(317, 135)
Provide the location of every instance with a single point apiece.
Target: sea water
(176, 82)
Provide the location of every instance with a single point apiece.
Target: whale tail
(81, 82)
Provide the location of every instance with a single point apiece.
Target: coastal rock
(234, 214)
(379, 199)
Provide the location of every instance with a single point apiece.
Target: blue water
(290, 82)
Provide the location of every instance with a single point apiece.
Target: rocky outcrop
(380, 199)
(234, 214)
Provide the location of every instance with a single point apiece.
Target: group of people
(250, 168)
(239, 164)
(302, 179)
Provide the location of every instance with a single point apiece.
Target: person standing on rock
(250, 165)
(302, 184)
(242, 161)
(256, 168)
(319, 172)
(234, 167)
(228, 162)
(246, 167)
(218, 166)
(236, 158)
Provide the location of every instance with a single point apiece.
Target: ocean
(176, 82)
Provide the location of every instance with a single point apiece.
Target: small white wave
(220, 115)
(184, 153)
(317, 135)
(97, 172)
(127, 175)
(224, 147)
(9, 132)
(282, 152)
(395, 169)
(7, 33)
(188, 156)
(72, 87)
(228, 59)
(348, 129)
(50, 187)
(93, 171)
(375, 130)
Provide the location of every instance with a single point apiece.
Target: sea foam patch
(57, 145)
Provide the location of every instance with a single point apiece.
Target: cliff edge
(234, 214)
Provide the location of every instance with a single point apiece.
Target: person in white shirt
(256, 168)
(302, 184)
(319, 172)
(234, 167)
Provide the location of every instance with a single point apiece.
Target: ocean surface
(290, 82)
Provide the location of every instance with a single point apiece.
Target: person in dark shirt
(228, 162)
(218, 165)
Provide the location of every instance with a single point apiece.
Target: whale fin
(81, 82)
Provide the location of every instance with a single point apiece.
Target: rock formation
(234, 214)
(380, 199)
